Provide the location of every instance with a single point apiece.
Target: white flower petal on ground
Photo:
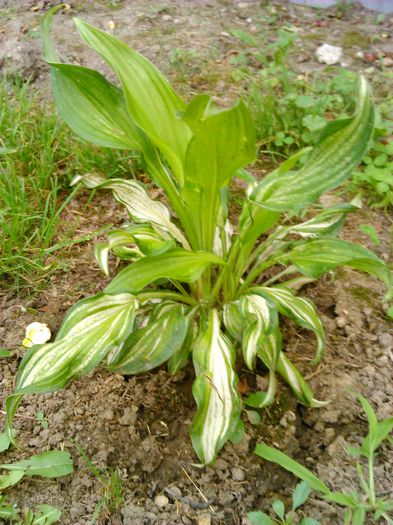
(36, 334)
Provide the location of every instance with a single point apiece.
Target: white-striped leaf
(341, 148)
(139, 204)
(298, 385)
(90, 330)
(263, 399)
(318, 256)
(327, 222)
(132, 242)
(215, 391)
(153, 344)
(181, 357)
(181, 265)
(301, 310)
(151, 102)
(94, 108)
(233, 320)
(262, 319)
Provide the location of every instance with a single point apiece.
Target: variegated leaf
(295, 380)
(215, 391)
(90, 330)
(116, 238)
(341, 148)
(318, 256)
(301, 310)
(233, 320)
(180, 358)
(139, 204)
(327, 222)
(181, 265)
(262, 318)
(263, 399)
(153, 344)
(151, 101)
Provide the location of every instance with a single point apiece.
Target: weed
(358, 505)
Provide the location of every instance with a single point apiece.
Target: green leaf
(340, 150)
(151, 102)
(48, 464)
(300, 494)
(344, 499)
(5, 442)
(140, 206)
(11, 479)
(94, 108)
(378, 430)
(294, 378)
(223, 142)
(253, 417)
(301, 310)
(215, 391)
(309, 521)
(260, 518)
(321, 255)
(279, 509)
(90, 330)
(182, 265)
(154, 344)
(5, 353)
(276, 456)
(46, 515)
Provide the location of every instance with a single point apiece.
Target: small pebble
(238, 474)
(108, 414)
(161, 501)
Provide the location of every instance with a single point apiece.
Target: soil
(139, 425)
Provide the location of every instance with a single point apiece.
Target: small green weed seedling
(198, 283)
(49, 464)
(111, 488)
(299, 498)
(358, 506)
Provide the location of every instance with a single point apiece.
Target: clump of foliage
(358, 506)
(198, 285)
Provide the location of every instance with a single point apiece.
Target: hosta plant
(199, 284)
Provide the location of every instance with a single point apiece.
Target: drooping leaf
(263, 399)
(262, 318)
(215, 391)
(318, 256)
(182, 265)
(151, 102)
(154, 344)
(91, 328)
(297, 383)
(327, 222)
(181, 356)
(341, 148)
(94, 108)
(139, 204)
(276, 456)
(301, 310)
(233, 320)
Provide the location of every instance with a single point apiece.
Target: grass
(38, 157)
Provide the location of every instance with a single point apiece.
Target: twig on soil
(21, 416)
(198, 489)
